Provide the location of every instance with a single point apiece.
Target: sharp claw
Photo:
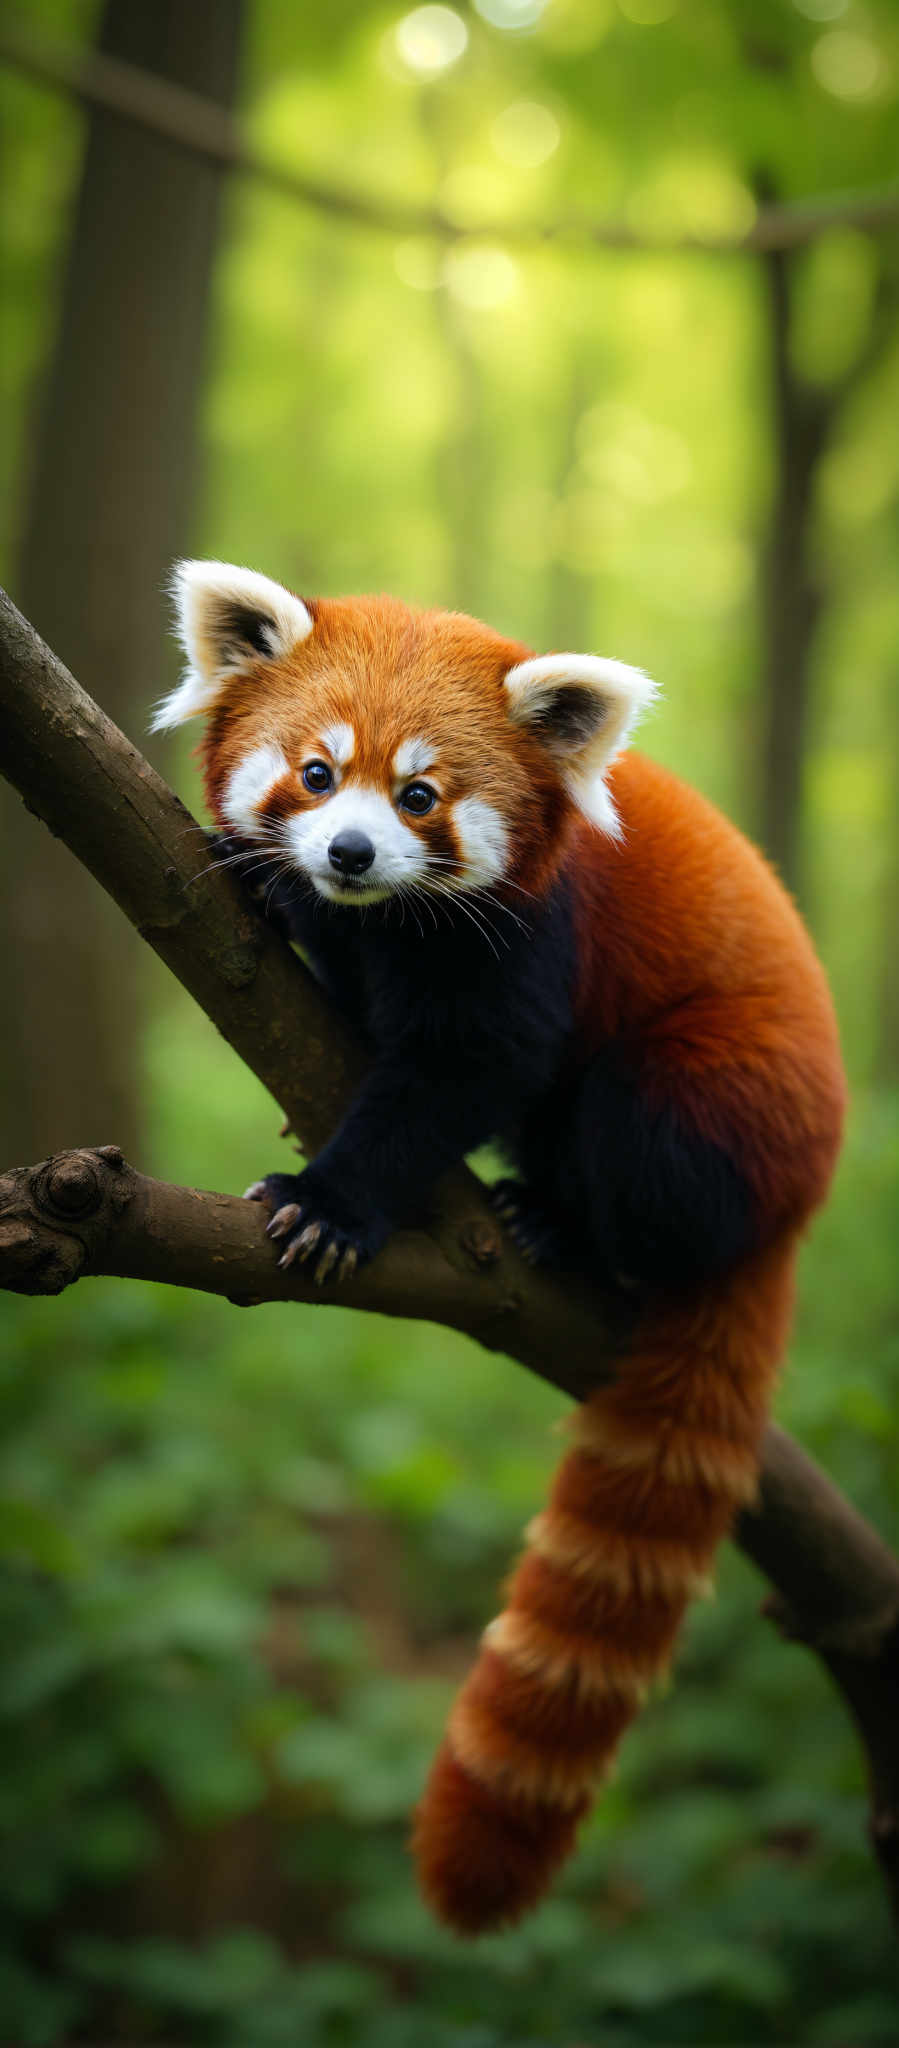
(300, 1247)
(348, 1263)
(308, 1239)
(255, 1192)
(328, 1259)
(284, 1220)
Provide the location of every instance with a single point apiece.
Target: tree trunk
(790, 599)
(107, 506)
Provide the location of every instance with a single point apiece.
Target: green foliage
(248, 1553)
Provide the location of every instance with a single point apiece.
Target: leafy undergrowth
(247, 1557)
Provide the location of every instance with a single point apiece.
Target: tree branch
(198, 125)
(838, 1593)
(87, 1212)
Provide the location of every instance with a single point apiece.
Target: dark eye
(418, 799)
(317, 777)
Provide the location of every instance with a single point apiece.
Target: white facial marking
(249, 785)
(340, 741)
(483, 841)
(399, 855)
(414, 757)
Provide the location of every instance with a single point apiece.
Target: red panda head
(382, 749)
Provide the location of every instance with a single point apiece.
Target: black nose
(351, 853)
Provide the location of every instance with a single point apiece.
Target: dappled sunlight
(430, 39)
(249, 1550)
(525, 134)
(516, 16)
(849, 65)
(481, 277)
(688, 195)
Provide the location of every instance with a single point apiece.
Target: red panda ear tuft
(582, 708)
(226, 619)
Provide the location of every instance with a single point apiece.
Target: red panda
(553, 943)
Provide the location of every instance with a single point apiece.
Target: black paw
(534, 1229)
(310, 1221)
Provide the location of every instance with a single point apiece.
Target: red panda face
(382, 751)
(361, 832)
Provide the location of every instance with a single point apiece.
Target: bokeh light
(525, 134)
(849, 65)
(510, 14)
(431, 39)
(481, 276)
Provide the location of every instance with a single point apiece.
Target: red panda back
(688, 943)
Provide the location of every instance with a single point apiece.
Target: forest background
(248, 1555)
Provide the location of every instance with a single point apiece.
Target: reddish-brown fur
(477, 1851)
(393, 673)
(692, 955)
(540, 1726)
(687, 939)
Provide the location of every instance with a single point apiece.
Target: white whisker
(234, 860)
(481, 925)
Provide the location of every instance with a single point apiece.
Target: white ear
(582, 707)
(226, 619)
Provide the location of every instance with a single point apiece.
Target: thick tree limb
(196, 124)
(87, 1212)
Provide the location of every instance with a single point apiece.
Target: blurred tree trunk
(805, 418)
(790, 598)
(107, 506)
